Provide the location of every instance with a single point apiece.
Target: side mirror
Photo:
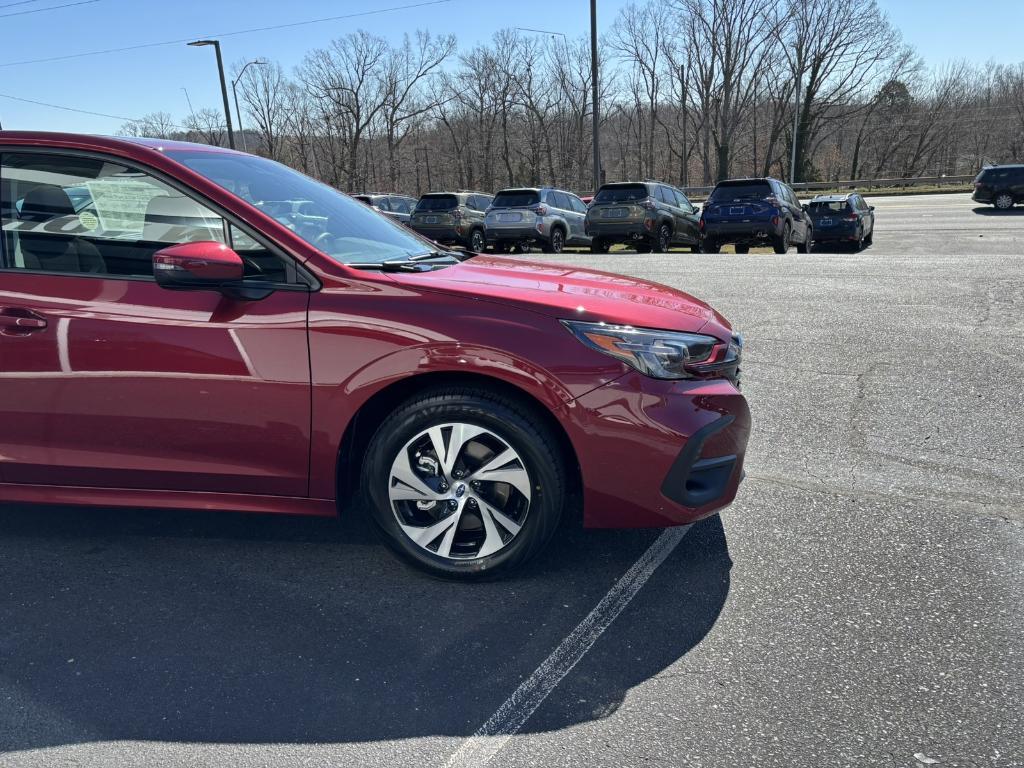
(871, 207)
(807, 208)
(205, 265)
(696, 210)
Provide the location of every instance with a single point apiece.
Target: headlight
(662, 354)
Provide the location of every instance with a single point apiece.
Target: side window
(659, 193)
(683, 202)
(577, 204)
(471, 203)
(70, 214)
(562, 201)
(398, 205)
(381, 204)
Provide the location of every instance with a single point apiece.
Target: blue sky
(133, 83)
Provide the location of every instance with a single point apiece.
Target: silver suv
(551, 218)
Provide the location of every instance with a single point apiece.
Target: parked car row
(649, 216)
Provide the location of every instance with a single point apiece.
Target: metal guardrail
(810, 186)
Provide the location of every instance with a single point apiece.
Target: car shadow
(988, 210)
(229, 628)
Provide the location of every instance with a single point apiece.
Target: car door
(107, 379)
(689, 221)
(797, 212)
(579, 210)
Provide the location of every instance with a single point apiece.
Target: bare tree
(265, 95)
(156, 125)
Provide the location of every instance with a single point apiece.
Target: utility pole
(223, 86)
(682, 96)
(594, 84)
(796, 123)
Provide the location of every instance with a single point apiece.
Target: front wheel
(465, 483)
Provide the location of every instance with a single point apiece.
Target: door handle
(15, 321)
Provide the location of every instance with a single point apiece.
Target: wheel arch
(369, 416)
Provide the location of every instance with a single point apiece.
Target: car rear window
(516, 198)
(743, 190)
(437, 203)
(829, 206)
(621, 193)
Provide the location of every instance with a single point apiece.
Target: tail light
(700, 224)
(540, 209)
(775, 221)
(649, 204)
(977, 185)
(457, 214)
(773, 200)
(851, 217)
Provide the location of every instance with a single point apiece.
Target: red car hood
(571, 293)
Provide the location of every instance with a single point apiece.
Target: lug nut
(475, 485)
(472, 503)
(453, 504)
(457, 474)
(443, 486)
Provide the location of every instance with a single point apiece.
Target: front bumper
(658, 453)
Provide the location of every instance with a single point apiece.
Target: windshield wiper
(418, 263)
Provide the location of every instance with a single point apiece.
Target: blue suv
(753, 212)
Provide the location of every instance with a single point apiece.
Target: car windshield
(753, 190)
(828, 206)
(437, 203)
(516, 198)
(334, 223)
(622, 193)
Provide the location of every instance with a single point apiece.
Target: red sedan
(185, 326)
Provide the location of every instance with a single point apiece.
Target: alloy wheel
(557, 241)
(477, 242)
(1004, 202)
(459, 491)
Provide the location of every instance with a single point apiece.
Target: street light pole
(796, 125)
(234, 92)
(593, 81)
(223, 85)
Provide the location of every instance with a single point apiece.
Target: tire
(710, 246)
(504, 247)
(870, 239)
(742, 249)
(663, 240)
(498, 524)
(477, 241)
(556, 243)
(1003, 201)
(642, 247)
(808, 244)
(781, 244)
(598, 246)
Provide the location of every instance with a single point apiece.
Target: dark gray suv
(551, 218)
(452, 218)
(648, 215)
(1000, 185)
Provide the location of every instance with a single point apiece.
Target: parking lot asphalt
(859, 605)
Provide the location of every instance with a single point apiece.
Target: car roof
(840, 198)
(96, 141)
(1006, 165)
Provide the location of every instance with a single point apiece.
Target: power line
(273, 27)
(20, 2)
(40, 10)
(80, 111)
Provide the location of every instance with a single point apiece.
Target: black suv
(452, 218)
(648, 215)
(751, 212)
(1000, 185)
(843, 218)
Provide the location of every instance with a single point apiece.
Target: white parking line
(483, 745)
